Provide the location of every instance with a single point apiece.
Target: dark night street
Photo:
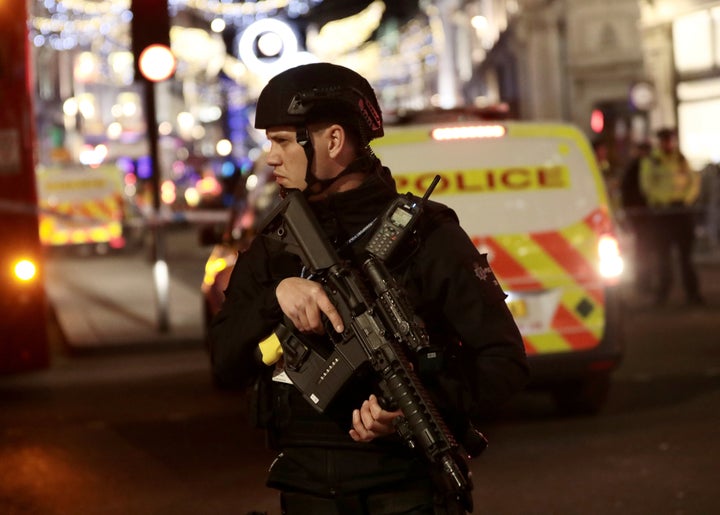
(371, 146)
(136, 426)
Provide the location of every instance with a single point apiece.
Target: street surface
(134, 425)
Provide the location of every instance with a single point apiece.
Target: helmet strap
(302, 136)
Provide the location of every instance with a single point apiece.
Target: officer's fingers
(300, 321)
(354, 435)
(327, 307)
(359, 432)
(292, 296)
(297, 298)
(374, 406)
(313, 318)
(379, 413)
(312, 304)
(369, 421)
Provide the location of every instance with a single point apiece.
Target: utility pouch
(261, 403)
(270, 402)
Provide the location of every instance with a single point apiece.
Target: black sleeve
(249, 313)
(487, 363)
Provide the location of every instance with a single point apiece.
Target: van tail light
(611, 261)
(468, 132)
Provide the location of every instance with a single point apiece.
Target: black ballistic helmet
(320, 92)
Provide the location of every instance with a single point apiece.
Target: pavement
(115, 302)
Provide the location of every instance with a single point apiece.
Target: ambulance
(530, 195)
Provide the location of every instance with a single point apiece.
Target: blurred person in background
(671, 188)
(609, 173)
(639, 222)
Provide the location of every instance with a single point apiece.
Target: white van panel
(501, 185)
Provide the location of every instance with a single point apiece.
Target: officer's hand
(303, 302)
(371, 421)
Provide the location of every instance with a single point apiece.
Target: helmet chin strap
(302, 136)
(303, 139)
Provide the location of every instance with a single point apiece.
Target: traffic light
(150, 32)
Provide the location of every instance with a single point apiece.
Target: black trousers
(644, 255)
(405, 500)
(675, 230)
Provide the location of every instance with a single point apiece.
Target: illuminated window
(715, 14)
(699, 119)
(692, 42)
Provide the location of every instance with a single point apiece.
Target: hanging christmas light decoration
(68, 24)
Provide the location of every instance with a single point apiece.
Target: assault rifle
(380, 329)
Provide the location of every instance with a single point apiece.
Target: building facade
(620, 69)
(549, 60)
(681, 43)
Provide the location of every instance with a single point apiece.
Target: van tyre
(584, 396)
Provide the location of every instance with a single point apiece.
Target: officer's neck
(345, 183)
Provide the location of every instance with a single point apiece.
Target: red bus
(23, 300)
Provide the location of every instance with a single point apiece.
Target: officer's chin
(284, 190)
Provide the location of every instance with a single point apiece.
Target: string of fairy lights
(69, 24)
(102, 28)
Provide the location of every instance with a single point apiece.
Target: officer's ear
(336, 140)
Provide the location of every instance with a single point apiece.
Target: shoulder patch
(484, 273)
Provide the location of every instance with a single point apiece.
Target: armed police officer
(320, 119)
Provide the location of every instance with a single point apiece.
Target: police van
(530, 195)
(81, 206)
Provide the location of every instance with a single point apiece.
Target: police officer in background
(671, 188)
(320, 119)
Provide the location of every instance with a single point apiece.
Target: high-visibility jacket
(667, 179)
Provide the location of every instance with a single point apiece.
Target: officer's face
(287, 158)
(668, 144)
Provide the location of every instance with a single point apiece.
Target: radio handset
(397, 222)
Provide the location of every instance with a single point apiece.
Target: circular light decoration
(217, 25)
(270, 44)
(268, 36)
(223, 147)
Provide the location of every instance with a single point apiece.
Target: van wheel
(585, 396)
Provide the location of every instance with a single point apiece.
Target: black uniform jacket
(451, 287)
